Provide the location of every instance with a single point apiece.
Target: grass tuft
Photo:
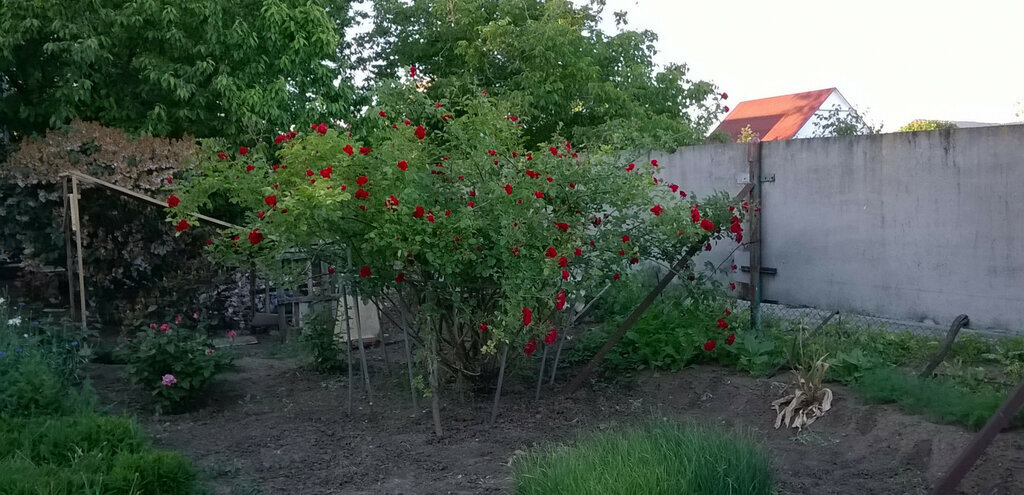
(659, 457)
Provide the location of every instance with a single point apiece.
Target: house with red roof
(783, 117)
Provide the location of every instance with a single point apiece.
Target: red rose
(250, 168)
(508, 189)
(420, 132)
(260, 215)
(437, 105)
(727, 312)
(209, 242)
(565, 274)
(382, 114)
(723, 324)
(597, 221)
(654, 163)
(710, 345)
(173, 201)
(551, 252)
(470, 204)
(362, 194)
(492, 152)
(578, 252)
(364, 272)
(331, 270)
(656, 210)
(725, 96)
(564, 227)
(572, 185)
(363, 150)
(321, 129)
(255, 237)
(707, 225)
(271, 200)
(633, 261)
(418, 212)
(616, 277)
(674, 188)
(529, 156)
(530, 347)
(348, 150)
(553, 150)
(392, 201)
(730, 339)
(622, 252)
(430, 216)
(732, 286)
(707, 247)
(538, 194)
(560, 300)
(694, 214)
(515, 251)
(399, 278)
(725, 109)
(222, 155)
(483, 327)
(309, 172)
(551, 337)
(243, 150)
(412, 71)
(362, 180)
(326, 172)
(563, 261)
(527, 316)
(736, 228)
(403, 165)
(549, 179)
(182, 226)
(630, 167)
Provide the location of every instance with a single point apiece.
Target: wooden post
(754, 234)
(76, 224)
(348, 344)
(408, 354)
(540, 374)
(963, 463)
(68, 232)
(501, 380)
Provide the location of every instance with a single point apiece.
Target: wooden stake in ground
(435, 388)
(362, 349)
(408, 355)
(587, 370)
(501, 380)
(348, 344)
(540, 375)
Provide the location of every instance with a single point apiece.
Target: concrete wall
(917, 226)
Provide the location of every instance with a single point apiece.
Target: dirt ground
(273, 427)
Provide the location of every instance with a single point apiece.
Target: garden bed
(271, 426)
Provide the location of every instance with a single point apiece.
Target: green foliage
(927, 125)
(842, 122)
(670, 335)
(551, 63)
(320, 342)
(658, 458)
(938, 399)
(39, 364)
(86, 454)
(237, 69)
(172, 363)
(464, 231)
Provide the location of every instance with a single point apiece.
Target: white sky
(896, 60)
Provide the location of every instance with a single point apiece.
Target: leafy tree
(233, 68)
(841, 122)
(927, 125)
(550, 61)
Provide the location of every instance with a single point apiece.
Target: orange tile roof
(775, 118)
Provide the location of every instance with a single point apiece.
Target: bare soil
(273, 427)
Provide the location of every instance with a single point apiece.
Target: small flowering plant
(441, 204)
(172, 363)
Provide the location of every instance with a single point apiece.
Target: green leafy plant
(321, 343)
(172, 363)
(657, 458)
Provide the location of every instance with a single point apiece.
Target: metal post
(754, 234)
(76, 224)
(501, 380)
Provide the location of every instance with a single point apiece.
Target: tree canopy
(550, 62)
(211, 68)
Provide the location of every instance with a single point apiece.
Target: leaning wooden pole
(76, 223)
(501, 380)
(587, 370)
(965, 461)
(954, 329)
(68, 232)
(408, 354)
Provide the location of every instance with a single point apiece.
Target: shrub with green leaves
(320, 342)
(172, 363)
(658, 458)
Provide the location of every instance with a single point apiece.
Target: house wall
(834, 100)
(915, 226)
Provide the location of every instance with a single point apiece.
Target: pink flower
(195, 315)
(152, 326)
(177, 319)
(165, 327)
(209, 352)
(232, 334)
(168, 380)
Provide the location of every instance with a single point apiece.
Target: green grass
(89, 454)
(657, 458)
(937, 399)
